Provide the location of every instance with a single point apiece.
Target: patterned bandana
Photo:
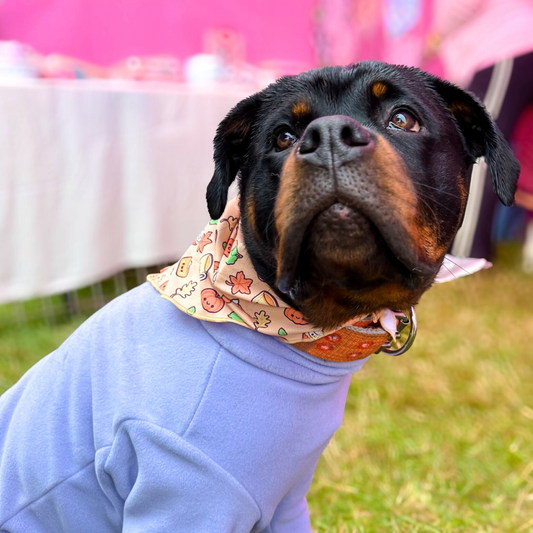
(216, 281)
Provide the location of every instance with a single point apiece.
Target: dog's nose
(333, 140)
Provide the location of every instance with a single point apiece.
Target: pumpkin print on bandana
(295, 316)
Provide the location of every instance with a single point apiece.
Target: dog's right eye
(285, 139)
(403, 120)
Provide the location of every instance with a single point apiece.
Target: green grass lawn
(437, 440)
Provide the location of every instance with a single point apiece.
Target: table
(97, 176)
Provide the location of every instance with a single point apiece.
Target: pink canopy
(473, 33)
(107, 31)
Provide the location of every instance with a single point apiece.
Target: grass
(441, 438)
(437, 440)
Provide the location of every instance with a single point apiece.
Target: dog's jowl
(207, 410)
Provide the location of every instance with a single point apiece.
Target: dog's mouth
(345, 245)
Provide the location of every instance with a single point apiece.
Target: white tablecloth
(96, 177)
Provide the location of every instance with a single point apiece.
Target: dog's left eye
(403, 120)
(285, 139)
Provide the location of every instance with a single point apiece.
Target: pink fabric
(407, 49)
(522, 141)
(458, 267)
(107, 31)
(478, 33)
(393, 31)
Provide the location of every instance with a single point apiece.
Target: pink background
(106, 31)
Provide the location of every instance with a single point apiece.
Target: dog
(352, 184)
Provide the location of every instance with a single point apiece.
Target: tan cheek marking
(250, 215)
(379, 89)
(435, 250)
(300, 110)
(396, 296)
(402, 197)
(428, 244)
(395, 184)
(288, 188)
(462, 191)
(285, 212)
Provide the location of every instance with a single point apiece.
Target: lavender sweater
(148, 420)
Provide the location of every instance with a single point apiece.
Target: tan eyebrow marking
(379, 89)
(301, 109)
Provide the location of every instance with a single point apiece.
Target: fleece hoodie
(149, 420)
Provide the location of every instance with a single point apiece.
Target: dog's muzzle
(338, 163)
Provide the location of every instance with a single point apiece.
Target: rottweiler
(352, 184)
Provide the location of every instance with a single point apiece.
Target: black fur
(482, 137)
(231, 145)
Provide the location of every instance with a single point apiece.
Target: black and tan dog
(354, 182)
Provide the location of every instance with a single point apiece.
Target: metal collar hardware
(401, 344)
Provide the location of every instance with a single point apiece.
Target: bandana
(216, 281)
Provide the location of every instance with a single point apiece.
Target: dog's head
(353, 183)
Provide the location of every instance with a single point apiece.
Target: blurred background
(107, 114)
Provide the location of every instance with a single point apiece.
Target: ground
(439, 439)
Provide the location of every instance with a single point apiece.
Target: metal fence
(84, 301)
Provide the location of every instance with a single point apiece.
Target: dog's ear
(482, 137)
(231, 144)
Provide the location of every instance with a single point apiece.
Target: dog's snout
(333, 140)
